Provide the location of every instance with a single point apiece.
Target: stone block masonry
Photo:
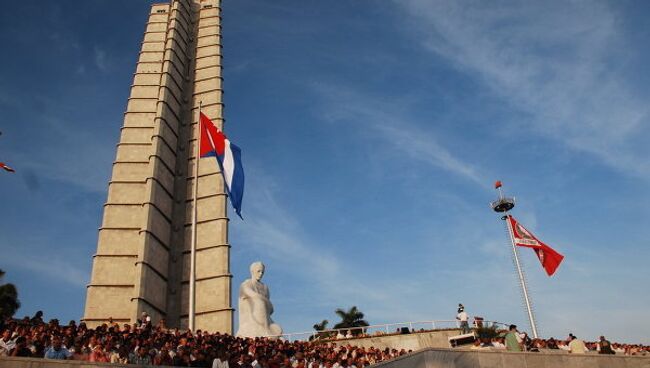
(143, 249)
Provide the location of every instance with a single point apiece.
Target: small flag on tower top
(214, 143)
(6, 168)
(497, 184)
(548, 257)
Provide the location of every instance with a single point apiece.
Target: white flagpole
(522, 280)
(197, 154)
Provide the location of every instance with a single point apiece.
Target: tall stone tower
(143, 251)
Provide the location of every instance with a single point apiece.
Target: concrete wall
(428, 358)
(10, 362)
(448, 358)
(413, 341)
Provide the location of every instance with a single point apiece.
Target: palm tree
(8, 299)
(351, 319)
(321, 326)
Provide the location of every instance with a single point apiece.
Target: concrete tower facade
(142, 262)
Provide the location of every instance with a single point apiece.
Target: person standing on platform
(463, 318)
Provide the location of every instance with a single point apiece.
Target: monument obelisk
(142, 262)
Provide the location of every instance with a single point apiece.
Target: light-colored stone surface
(413, 341)
(142, 261)
(448, 358)
(255, 307)
(430, 358)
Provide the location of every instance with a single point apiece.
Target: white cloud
(557, 61)
(395, 128)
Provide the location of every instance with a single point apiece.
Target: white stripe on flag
(228, 164)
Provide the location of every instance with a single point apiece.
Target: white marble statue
(255, 306)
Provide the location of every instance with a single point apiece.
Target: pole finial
(503, 204)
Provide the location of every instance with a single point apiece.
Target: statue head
(257, 270)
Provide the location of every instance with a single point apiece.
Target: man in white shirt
(463, 318)
(6, 343)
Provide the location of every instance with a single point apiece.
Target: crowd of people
(513, 340)
(145, 344)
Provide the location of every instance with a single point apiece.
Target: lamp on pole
(503, 205)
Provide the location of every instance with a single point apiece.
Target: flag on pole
(6, 168)
(548, 257)
(214, 143)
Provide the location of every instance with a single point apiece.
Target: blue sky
(372, 133)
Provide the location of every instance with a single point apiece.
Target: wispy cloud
(557, 61)
(71, 155)
(70, 152)
(336, 281)
(52, 267)
(277, 234)
(394, 127)
(101, 60)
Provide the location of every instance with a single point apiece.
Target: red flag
(549, 258)
(7, 168)
(497, 184)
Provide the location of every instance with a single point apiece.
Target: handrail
(384, 329)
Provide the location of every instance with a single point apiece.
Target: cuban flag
(6, 167)
(214, 143)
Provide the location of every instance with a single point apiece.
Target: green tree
(8, 299)
(321, 326)
(350, 319)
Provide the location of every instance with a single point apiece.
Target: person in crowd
(57, 350)
(140, 357)
(78, 351)
(498, 343)
(7, 344)
(576, 346)
(512, 339)
(99, 355)
(37, 319)
(21, 349)
(525, 341)
(221, 360)
(604, 346)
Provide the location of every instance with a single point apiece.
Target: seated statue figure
(255, 306)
